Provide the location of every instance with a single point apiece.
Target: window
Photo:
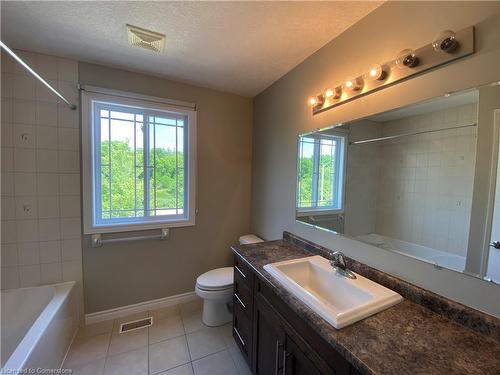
(139, 160)
(321, 173)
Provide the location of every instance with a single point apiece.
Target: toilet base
(216, 313)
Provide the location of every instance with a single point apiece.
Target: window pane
(306, 172)
(326, 174)
(140, 164)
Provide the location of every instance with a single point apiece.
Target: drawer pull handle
(285, 356)
(276, 359)
(240, 272)
(239, 336)
(239, 300)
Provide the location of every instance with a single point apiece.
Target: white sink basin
(338, 299)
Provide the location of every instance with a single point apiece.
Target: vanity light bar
(446, 47)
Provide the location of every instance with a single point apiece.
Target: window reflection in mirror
(407, 185)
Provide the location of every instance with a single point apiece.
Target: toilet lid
(216, 279)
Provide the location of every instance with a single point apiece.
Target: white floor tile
(124, 342)
(167, 328)
(95, 329)
(205, 342)
(186, 369)
(134, 362)
(85, 350)
(90, 368)
(219, 363)
(168, 354)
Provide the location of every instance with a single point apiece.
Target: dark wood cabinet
(273, 339)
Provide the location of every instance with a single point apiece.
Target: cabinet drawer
(243, 297)
(242, 332)
(242, 272)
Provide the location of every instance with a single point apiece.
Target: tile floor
(177, 343)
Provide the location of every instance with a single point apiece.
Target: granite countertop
(405, 339)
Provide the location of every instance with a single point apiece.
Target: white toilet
(216, 289)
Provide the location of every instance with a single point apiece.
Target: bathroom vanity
(279, 334)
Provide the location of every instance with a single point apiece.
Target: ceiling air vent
(146, 39)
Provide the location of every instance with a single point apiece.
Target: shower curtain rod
(372, 140)
(29, 69)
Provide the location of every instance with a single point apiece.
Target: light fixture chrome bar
(37, 76)
(98, 241)
(381, 139)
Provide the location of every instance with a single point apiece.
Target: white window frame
(89, 95)
(341, 164)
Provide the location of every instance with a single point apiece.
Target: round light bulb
(354, 84)
(407, 59)
(377, 73)
(329, 93)
(312, 101)
(445, 41)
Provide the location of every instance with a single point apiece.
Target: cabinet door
(295, 362)
(269, 339)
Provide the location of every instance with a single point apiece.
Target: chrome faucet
(339, 264)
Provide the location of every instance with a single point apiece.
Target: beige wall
(281, 113)
(130, 272)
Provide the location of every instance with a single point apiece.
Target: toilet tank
(249, 238)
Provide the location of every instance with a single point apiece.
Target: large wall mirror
(419, 180)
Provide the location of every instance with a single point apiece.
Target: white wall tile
(46, 113)
(67, 70)
(24, 136)
(9, 231)
(43, 94)
(29, 58)
(72, 271)
(50, 273)
(24, 87)
(71, 229)
(48, 207)
(47, 161)
(71, 250)
(10, 277)
(69, 161)
(7, 159)
(27, 231)
(7, 85)
(69, 139)
(47, 184)
(67, 117)
(8, 208)
(36, 130)
(29, 275)
(70, 206)
(46, 137)
(50, 251)
(29, 253)
(26, 208)
(23, 111)
(49, 230)
(69, 184)
(9, 255)
(25, 184)
(24, 160)
(47, 66)
(7, 110)
(7, 63)
(7, 135)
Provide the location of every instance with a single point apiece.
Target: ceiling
(238, 47)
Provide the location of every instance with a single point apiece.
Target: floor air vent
(136, 324)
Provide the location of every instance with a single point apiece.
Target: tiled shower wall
(41, 209)
(425, 181)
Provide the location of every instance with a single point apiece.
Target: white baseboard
(139, 307)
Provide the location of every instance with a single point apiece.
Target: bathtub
(427, 254)
(38, 325)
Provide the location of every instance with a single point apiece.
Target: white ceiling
(239, 47)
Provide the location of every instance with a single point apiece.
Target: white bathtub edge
(122, 311)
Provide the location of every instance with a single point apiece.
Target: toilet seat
(219, 279)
